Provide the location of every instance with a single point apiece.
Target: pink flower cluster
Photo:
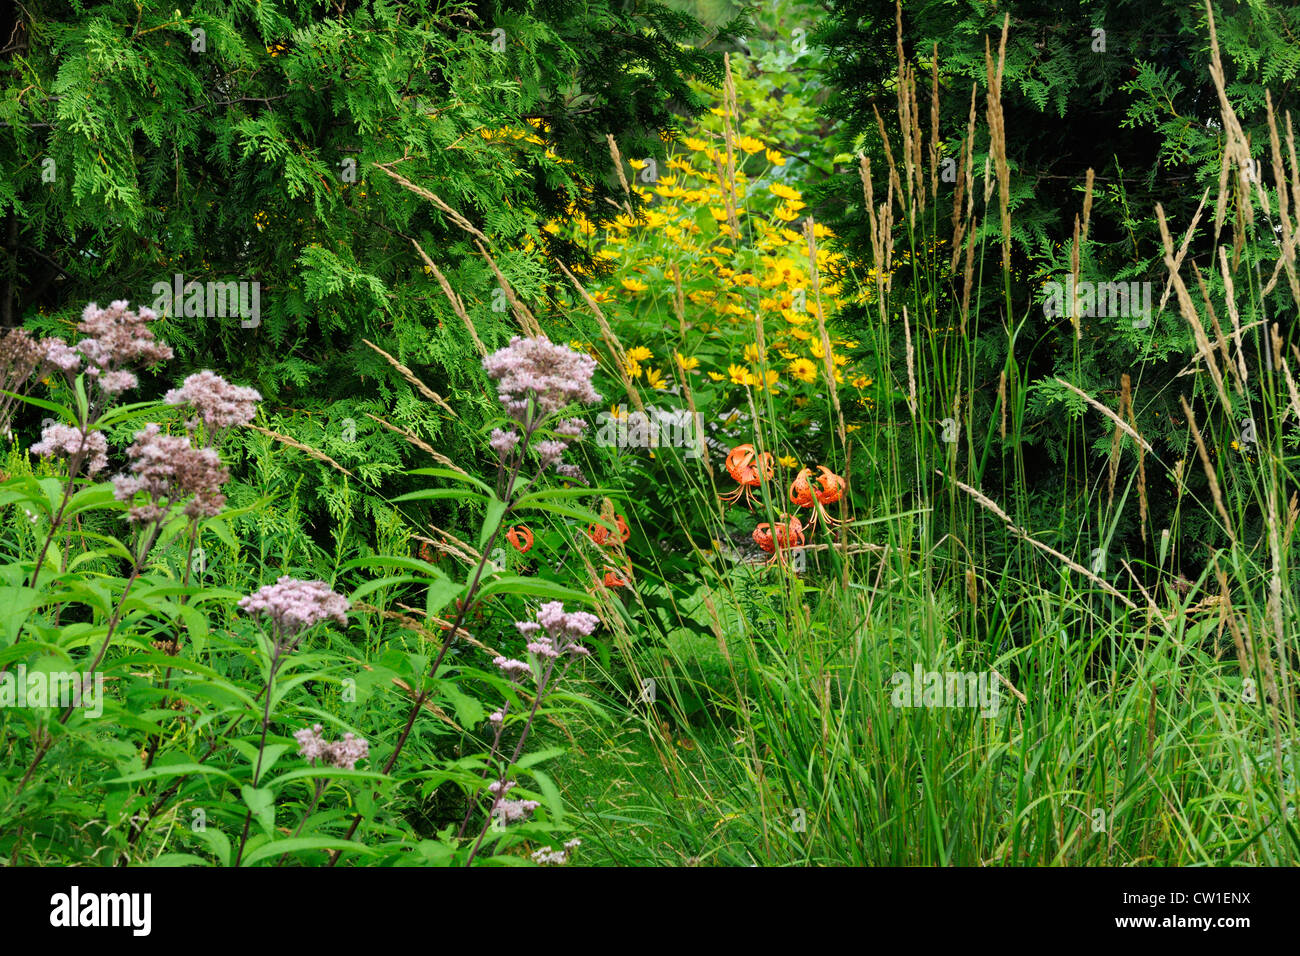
(548, 857)
(70, 442)
(511, 668)
(508, 811)
(59, 355)
(552, 375)
(341, 753)
(558, 624)
(503, 442)
(294, 604)
(562, 629)
(218, 403)
(115, 337)
(169, 469)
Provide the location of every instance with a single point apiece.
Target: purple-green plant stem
(277, 657)
(466, 606)
(542, 687)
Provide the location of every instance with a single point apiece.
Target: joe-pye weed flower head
(218, 403)
(343, 753)
(538, 373)
(169, 469)
(67, 441)
(294, 605)
(115, 338)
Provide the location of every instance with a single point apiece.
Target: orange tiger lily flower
(801, 492)
(749, 469)
(832, 486)
(600, 534)
(828, 489)
(778, 540)
(520, 538)
(616, 578)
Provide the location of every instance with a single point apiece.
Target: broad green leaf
(171, 770)
(538, 587)
(16, 605)
(433, 494)
(454, 476)
(261, 800)
(495, 509)
(218, 842)
(178, 859)
(279, 847)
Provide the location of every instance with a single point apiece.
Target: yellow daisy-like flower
(773, 377)
(782, 191)
(788, 461)
(634, 285)
(739, 374)
(751, 145)
(687, 363)
(775, 158)
(717, 376)
(655, 379)
(804, 370)
(719, 215)
(787, 213)
(633, 368)
(639, 353)
(616, 411)
(752, 355)
(861, 381)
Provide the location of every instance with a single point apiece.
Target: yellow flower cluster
(731, 248)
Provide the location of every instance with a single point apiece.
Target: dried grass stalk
(407, 374)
